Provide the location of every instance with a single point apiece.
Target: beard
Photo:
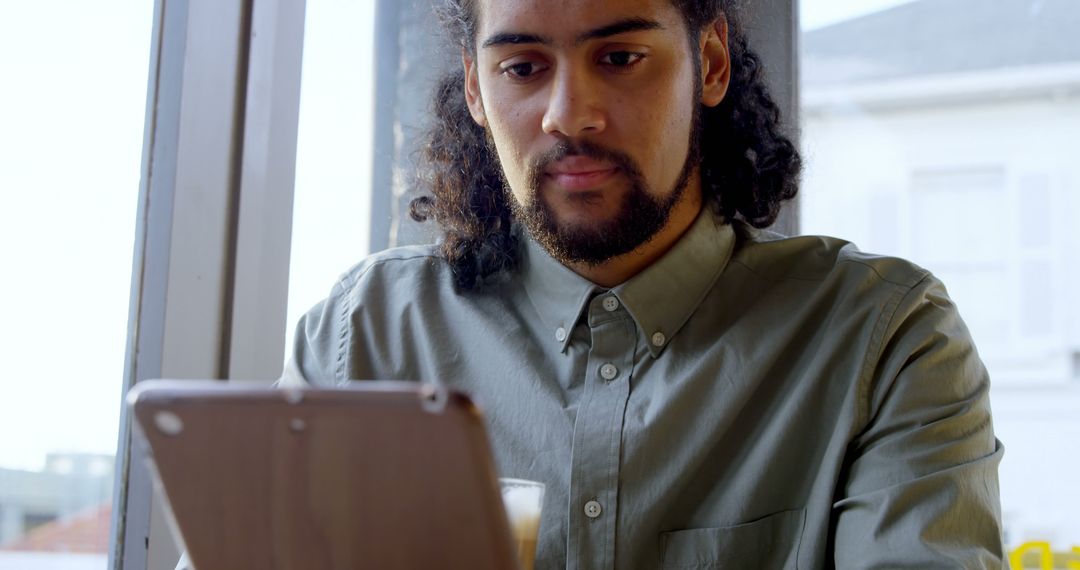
(639, 217)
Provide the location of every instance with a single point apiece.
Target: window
(71, 126)
(332, 205)
(928, 137)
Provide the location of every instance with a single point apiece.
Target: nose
(574, 106)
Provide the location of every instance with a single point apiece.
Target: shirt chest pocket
(766, 543)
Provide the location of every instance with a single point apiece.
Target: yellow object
(1075, 563)
(1040, 553)
(1046, 556)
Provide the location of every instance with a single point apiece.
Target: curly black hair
(748, 166)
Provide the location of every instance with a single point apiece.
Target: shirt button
(593, 509)
(658, 339)
(611, 303)
(609, 371)
(560, 334)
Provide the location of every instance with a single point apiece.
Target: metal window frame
(210, 268)
(772, 28)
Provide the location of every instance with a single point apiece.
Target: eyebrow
(612, 29)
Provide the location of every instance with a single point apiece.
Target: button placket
(595, 459)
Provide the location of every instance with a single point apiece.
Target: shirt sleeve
(319, 343)
(921, 484)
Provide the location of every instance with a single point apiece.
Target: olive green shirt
(747, 401)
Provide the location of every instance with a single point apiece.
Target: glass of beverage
(523, 500)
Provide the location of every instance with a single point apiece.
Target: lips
(575, 173)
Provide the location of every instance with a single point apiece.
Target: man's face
(590, 105)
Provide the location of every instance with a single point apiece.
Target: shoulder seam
(349, 279)
(348, 282)
(877, 346)
(921, 273)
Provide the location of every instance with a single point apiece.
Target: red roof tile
(86, 532)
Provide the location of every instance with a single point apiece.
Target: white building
(948, 132)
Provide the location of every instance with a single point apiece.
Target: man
(694, 392)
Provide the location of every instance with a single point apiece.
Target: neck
(618, 270)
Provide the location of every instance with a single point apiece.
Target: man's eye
(522, 70)
(622, 59)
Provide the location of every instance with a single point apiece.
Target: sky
(818, 13)
(71, 122)
(70, 152)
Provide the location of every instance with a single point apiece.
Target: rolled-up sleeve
(921, 487)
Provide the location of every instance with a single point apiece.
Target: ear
(715, 62)
(472, 90)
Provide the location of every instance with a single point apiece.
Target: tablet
(374, 475)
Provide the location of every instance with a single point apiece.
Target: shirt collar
(559, 295)
(660, 299)
(663, 296)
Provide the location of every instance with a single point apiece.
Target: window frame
(210, 268)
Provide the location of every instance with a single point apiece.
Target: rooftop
(936, 37)
(85, 532)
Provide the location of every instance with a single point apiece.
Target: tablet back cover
(379, 475)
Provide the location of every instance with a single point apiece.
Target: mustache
(565, 148)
